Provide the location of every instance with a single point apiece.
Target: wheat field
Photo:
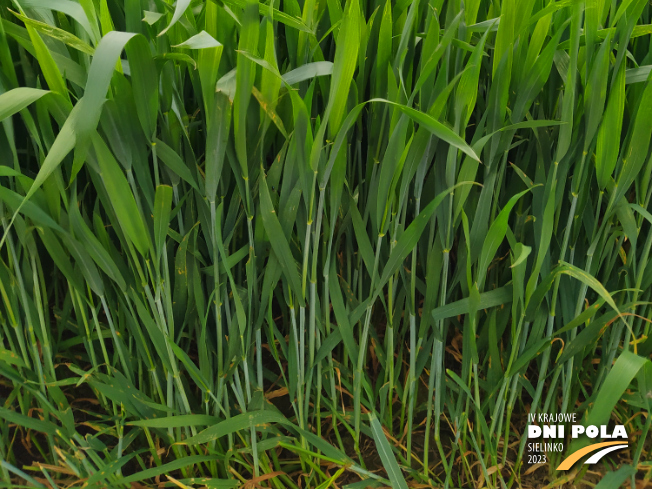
(322, 243)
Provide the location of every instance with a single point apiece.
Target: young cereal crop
(323, 243)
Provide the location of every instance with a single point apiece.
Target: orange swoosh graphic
(575, 456)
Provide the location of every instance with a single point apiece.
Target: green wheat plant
(321, 243)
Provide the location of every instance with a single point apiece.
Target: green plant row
(321, 243)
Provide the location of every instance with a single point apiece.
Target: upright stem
(357, 378)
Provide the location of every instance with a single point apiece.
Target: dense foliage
(305, 243)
